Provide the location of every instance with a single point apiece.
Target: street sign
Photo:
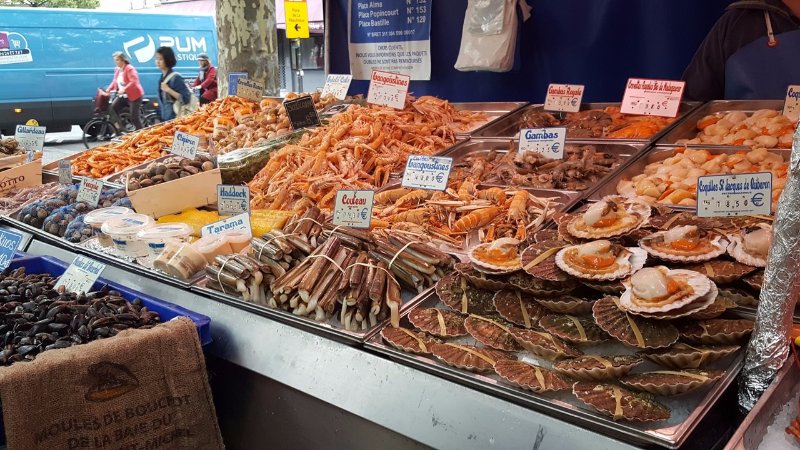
(296, 19)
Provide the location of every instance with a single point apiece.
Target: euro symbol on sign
(758, 199)
(555, 147)
(439, 177)
(574, 101)
(364, 214)
(244, 205)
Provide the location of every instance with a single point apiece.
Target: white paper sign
(564, 97)
(652, 97)
(388, 89)
(791, 107)
(233, 200)
(744, 194)
(548, 142)
(250, 89)
(337, 86)
(81, 275)
(185, 144)
(65, 171)
(89, 191)
(240, 222)
(427, 172)
(30, 138)
(353, 208)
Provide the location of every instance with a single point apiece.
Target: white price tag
(388, 89)
(337, 86)
(427, 172)
(89, 191)
(81, 275)
(240, 222)
(548, 142)
(185, 144)
(65, 171)
(652, 97)
(233, 200)
(744, 194)
(564, 97)
(30, 138)
(353, 208)
(249, 89)
(791, 107)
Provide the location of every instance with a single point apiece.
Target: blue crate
(166, 310)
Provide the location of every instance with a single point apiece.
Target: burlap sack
(141, 390)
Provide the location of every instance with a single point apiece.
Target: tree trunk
(248, 42)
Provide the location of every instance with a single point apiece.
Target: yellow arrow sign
(296, 19)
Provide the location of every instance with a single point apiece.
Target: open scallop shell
(741, 298)
(637, 215)
(546, 235)
(539, 260)
(697, 307)
(456, 292)
(567, 304)
(722, 271)
(468, 357)
(598, 368)
(535, 286)
(716, 309)
(687, 356)
(709, 249)
(755, 280)
(620, 403)
(438, 322)
(632, 330)
(577, 330)
(492, 333)
(531, 377)
(510, 265)
(480, 279)
(737, 252)
(519, 309)
(627, 263)
(545, 345)
(699, 283)
(717, 331)
(409, 341)
(668, 383)
(606, 287)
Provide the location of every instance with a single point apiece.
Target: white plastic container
(98, 217)
(123, 230)
(157, 235)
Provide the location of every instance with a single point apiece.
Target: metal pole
(297, 66)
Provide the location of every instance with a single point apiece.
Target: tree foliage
(82, 4)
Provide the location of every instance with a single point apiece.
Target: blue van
(53, 60)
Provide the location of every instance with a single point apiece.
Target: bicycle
(102, 128)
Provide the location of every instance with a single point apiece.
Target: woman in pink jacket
(129, 91)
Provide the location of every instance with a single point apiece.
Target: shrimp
(496, 195)
(417, 216)
(519, 203)
(466, 190)
(390, 196)
(476, 219)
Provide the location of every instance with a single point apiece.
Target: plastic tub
(157, 235)
(123, 230)
(96, 218)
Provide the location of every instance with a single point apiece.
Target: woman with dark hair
(172, 87)
(129, 91)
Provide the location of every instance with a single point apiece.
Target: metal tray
(656, 154)
(52, 167)
(508, 126)
(687, 128)
(331, 329)
(564, 406)
(120, 177)
(493, 110)
(482, 146)
(783, 389)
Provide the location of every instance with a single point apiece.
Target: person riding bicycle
(206, 80)
(129, 91)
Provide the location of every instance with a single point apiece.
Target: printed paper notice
(89, 191)
(81, 275)
(391, 35)
(745, 194)
(337, 86)
(427, 172)
(652, 97)
(548, 142)
(240, 222)
(564, 97)
(791, 107)
(353, 208)
(388, 89)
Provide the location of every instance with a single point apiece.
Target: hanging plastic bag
(489, 35)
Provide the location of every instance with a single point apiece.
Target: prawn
(390, 196)
(476, 219)
(495, 194)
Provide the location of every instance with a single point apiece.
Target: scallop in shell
(606, 287)
(738, 296)
(609, 217)
(408, 341)
(480, 279)
(716, 309)
(492, 333)
(658, 289)
(632, 330)
(755, 280)
(499, 256)
(598, 368)
(669, 383)
(539, 260)
(438, 322)
(535, 286)
(687, 356)
(620, 403)
(532, 377)
(468, 357)
(577, 330)
(721, 271)
(567, 304)
(751, 247)
(545, 344)
(600, 260)
(717, 331)
(686, 243)
(697, 307)
(519, 309)
(456, 292)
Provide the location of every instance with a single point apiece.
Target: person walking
(171, 86)
(129, 91)
(206, 80)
